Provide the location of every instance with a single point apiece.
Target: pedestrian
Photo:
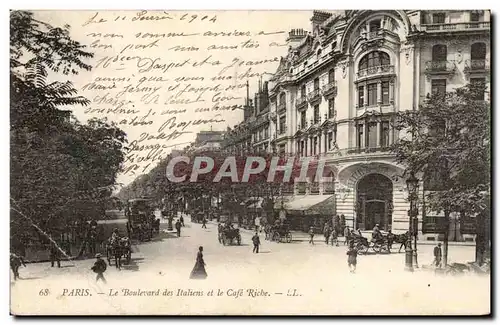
(178, 228)
(352, 256)
(437, 255)
(198, 271)
(55, 255)
(347, 234)
(204, 223)
(182, 220)
(311, 235)
(326, 232)
(256, 242)
(15, 263)
(99, 268)
(334, 236)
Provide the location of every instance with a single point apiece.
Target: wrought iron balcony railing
(330, 89)
(301, 103)
(455, 26)
(476, 66)
(377, 70)
(314, 95)
(314, 188)
(328, 188)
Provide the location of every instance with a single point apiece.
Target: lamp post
(412, 185)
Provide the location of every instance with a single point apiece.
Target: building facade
(335, 93)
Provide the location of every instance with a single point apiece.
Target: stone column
(356, 93)
(366, 133)
(379, 134)
(391, 91)
(391, 135)
(365, 95)
(379, 92)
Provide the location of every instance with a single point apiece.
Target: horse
(118, 248)
(400, 239)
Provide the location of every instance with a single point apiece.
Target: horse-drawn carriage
(141, 219)
(116, 248)
(278, 233)
(381, 244)
(227, 234)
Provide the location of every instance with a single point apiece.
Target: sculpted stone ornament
(407, 50)
(343, 65)
(459, 56)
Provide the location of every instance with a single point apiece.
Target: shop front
(303, 211)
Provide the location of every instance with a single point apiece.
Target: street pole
(408, 251)
(415, 255)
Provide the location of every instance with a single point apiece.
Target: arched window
(439, 52)
(282, 99)
(478, 51)
(374, 59)
(318, 54)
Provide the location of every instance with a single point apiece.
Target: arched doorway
(374, 202)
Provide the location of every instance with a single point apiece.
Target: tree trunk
(483, 250)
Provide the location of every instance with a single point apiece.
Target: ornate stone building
(335, 93)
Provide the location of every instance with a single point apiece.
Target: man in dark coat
(15, 263)
(182, 220)
(256, 242)
(204, 222)
(352, 257)
(178, 227)
(437, 255)
(55, 255)
(99, 268)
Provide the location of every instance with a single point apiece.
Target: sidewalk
(302, 236)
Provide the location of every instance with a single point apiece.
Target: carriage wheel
(276, 237)
(288, 237)
(376, 248)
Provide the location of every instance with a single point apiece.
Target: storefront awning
(309, 204)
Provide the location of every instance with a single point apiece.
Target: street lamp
(412, 185)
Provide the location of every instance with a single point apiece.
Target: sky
(137, 63)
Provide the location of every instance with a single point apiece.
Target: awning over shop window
(308, 204)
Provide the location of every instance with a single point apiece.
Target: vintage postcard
(250, 162)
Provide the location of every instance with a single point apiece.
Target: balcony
(475, 25)
(314, 187)
(330, 90)
(287, 188)
(301, 188)
(301, 103)
(476, 66)
(356, 151)
(376, 71)
(446, 68)
(314, 96)
(328, 188)
(281, 107)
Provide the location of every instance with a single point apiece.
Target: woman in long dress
(198, 271)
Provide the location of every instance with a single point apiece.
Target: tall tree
(448, 142)
(60, 169)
